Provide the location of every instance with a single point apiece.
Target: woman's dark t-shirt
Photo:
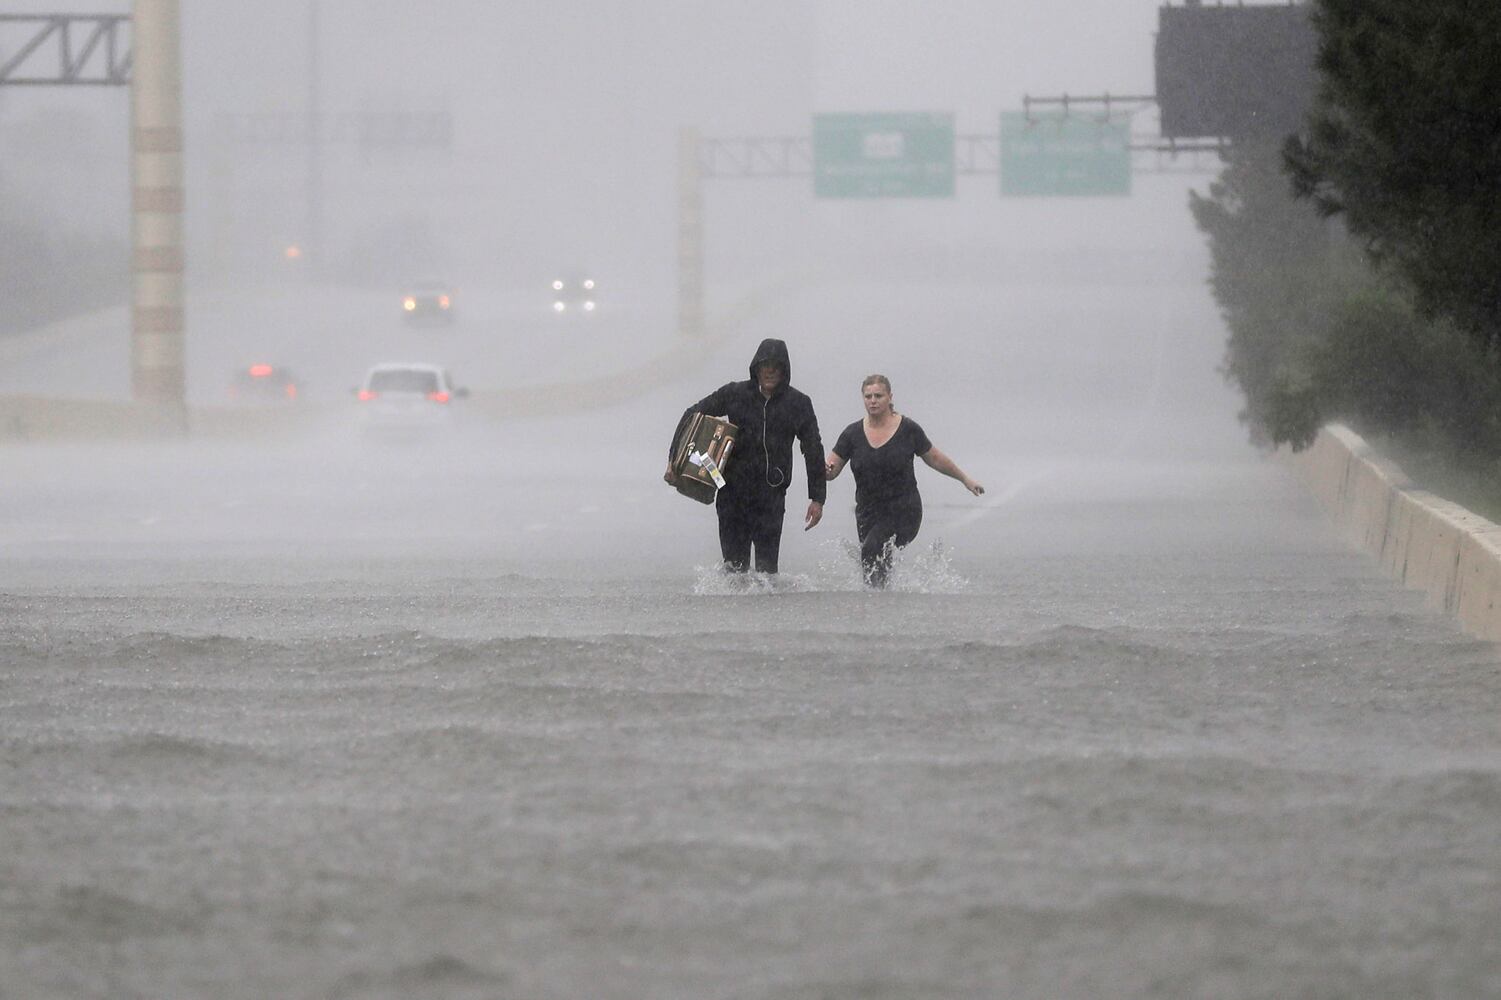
(884, 475)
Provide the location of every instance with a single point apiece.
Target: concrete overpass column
(157, 252)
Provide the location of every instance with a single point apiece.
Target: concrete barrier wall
(38, 418)
(26, 419)
(1449, 553)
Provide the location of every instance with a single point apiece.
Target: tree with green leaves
(1404, 142)
(1316, 333)
(1278, 272)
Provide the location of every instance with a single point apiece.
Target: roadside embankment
(1427, 542)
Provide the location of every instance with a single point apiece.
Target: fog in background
(565, 119)
(1021, 332)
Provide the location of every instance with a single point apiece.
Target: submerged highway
(305, 713)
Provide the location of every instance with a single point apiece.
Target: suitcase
(711, 440)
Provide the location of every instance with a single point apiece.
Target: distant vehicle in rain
(574, 296)
(264, 383)
(428, 300)
(407, 396)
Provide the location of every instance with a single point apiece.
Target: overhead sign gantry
(89, 50)
(1063, 151)
(1223, 73)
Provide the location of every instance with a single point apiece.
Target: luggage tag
(703, 461)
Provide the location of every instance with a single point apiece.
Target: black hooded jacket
(762, 458)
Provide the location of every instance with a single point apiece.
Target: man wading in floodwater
(769, 414)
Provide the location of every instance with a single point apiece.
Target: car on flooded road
(407, 397)
(263, 383)
(428, 301)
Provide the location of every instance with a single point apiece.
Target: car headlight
(409, 303)
(557, 286)
(559, 306)
(588, 306)
(589, 283)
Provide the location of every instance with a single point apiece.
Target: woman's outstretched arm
(940, 462)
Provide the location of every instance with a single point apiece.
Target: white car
(574, 296)
(407, 396)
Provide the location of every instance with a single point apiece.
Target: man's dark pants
(750, 518)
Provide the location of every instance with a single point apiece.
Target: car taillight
(260, 371)
(443, 302)
(366, 395)
(291, 388)
(438, 397)
(409, 303)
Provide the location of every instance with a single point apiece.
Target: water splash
(839, 565)
(926, 569)
(716, 581)
(917, 569)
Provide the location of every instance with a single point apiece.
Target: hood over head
(772, 351)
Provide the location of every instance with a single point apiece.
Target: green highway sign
(1064, 155)
(883, 156)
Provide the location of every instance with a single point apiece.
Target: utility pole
(690, 235)
(314, 257)
(156, 196)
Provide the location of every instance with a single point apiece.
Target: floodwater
(481, 719)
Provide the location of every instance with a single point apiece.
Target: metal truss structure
(1164, 155)
(792, 156)
(89, 48)
(1111, 105)
(786, 156)
(1163, 152)
(974, 155)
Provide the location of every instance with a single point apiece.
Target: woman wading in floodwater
(880, 448)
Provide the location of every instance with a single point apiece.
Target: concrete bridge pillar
(157, 242)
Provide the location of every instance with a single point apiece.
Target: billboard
(1234, 71)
